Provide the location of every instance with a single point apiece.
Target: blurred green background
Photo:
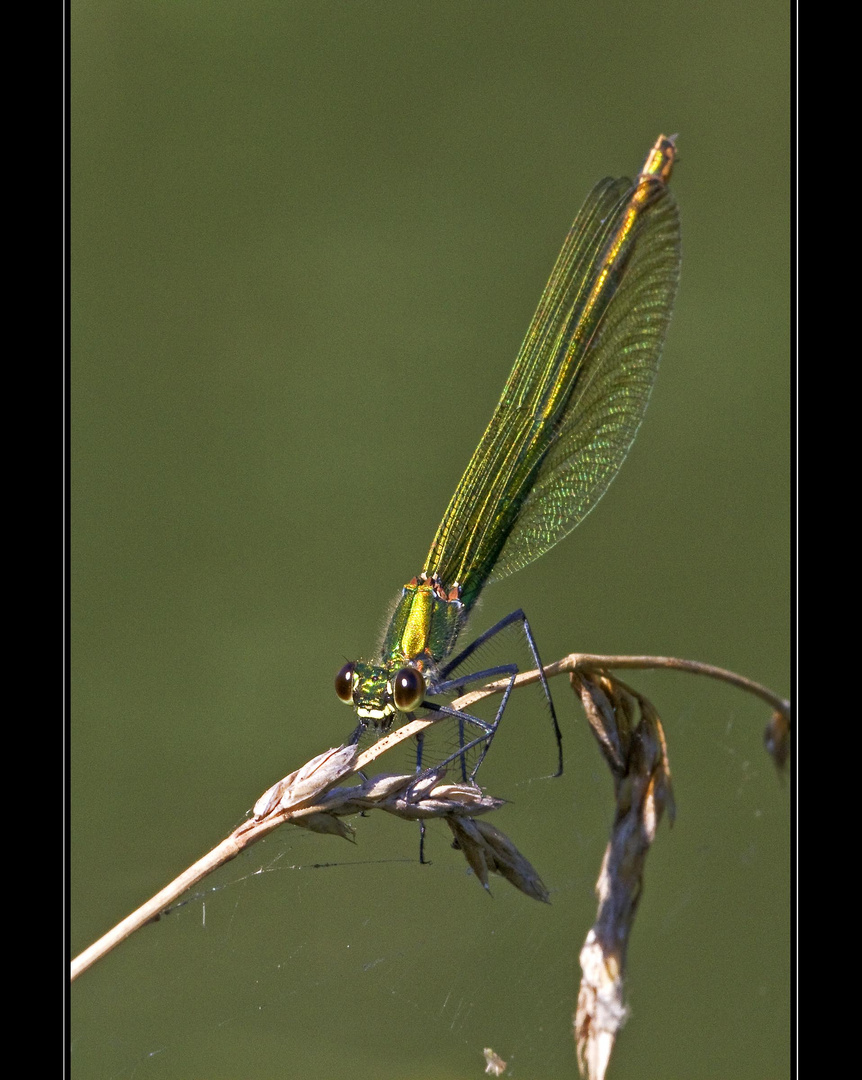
(307, 239)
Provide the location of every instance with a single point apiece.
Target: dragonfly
(565, 421)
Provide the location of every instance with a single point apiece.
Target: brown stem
(251, 831)
(575, 662)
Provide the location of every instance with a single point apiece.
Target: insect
(568, 414)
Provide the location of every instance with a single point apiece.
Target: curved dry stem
(592, 662)
(309, 797)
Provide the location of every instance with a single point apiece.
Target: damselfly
(566, 419)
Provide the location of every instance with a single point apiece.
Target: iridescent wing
(577, 393)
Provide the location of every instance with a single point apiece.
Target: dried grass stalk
(630, 736)
(631, 739)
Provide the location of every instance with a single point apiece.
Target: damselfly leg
(500, 671)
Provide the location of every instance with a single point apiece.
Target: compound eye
(408, 689)
(344, 683)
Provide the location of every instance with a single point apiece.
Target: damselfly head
(377, 692)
